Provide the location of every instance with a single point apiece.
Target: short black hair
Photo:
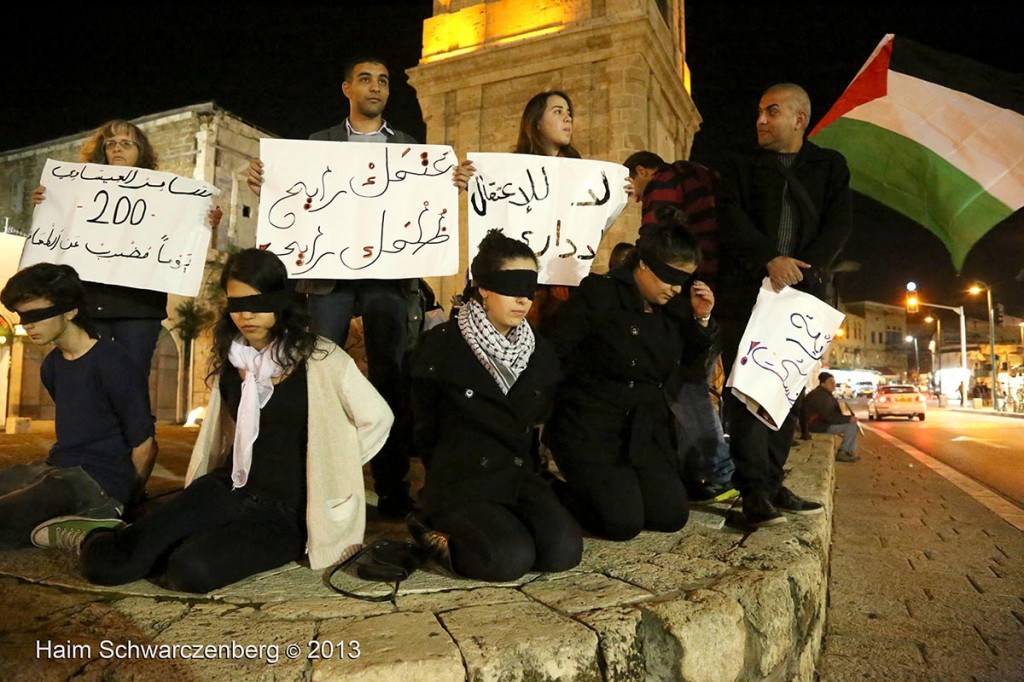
(643, 158)
(823, 377)
(351, 64)
(668, 242)
(58, 284)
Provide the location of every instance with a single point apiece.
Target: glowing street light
(959, 310)
(977, 289)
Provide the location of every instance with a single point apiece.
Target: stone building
(873, 338)
(623, 62)
(201, 141)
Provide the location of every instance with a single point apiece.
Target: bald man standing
(785, 214)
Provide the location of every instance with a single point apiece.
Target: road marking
(1007, 511)
(983, 441)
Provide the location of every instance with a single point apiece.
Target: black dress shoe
(788, 501)
(433, 543)
(759, 512)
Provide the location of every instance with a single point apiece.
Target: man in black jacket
(785, 214)
(822, 413)
(389, 307)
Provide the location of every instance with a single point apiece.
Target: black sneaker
(396, 506)
(433, 543)
(710, 493)
(787, 501)
(848, 457)
(759, 512)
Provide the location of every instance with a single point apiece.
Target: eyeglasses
(114, 144)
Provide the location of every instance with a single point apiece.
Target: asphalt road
(987, 448)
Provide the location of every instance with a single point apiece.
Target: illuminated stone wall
(621, 61)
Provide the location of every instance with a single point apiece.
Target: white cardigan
(336, 449)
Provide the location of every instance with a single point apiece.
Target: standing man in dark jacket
(384, 304)
(786, 215)
(823, 415)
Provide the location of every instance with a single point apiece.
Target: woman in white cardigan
(276, 469)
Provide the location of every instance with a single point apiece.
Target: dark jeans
(758, 452)
(34, 492)
(206, 537)
(703, 452)
(384, 307)
(137, 336)
(493, 542)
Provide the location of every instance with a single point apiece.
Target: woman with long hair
(481, 383)
(622, 338)
(276, 471)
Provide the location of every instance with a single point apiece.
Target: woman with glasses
(622, 338)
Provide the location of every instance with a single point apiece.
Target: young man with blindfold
(103, 420)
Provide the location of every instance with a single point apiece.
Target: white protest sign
(785, 339)
(353, 210)
(559, 207)
(120, 225)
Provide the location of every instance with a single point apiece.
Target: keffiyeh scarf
(503, 357)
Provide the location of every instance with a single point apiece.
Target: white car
(897, 400)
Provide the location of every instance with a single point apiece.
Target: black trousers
(617, 501)
(207, 537)
(498, 543)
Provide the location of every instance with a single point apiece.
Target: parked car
(844, 390)
(897, 400)
(863, 389)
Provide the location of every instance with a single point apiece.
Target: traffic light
(999, 313)
(912, 303)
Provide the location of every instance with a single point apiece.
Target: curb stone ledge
(707, 604)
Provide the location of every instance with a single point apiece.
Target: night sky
(279, 67)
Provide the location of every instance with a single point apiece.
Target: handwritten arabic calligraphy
(130, 226)
(351, 210)
(776, 360)
(558, 207)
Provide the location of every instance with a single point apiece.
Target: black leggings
(497, 543)
(207, 537)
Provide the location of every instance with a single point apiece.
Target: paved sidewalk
(926, 583)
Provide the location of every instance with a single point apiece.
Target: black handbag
(386, 561)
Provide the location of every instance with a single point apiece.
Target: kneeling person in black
(481, 383)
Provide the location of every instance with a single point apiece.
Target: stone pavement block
(439, 602)
(28, 607)
(622, 649)
(866, 649)
(701, 572)
(523, 642)
(702, 638)
(846, 669)
(576, 594)
(399, 646)
(322, 608)
(768, 606)
(988, 583)
(1000, 627)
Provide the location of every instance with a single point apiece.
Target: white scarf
(503, 357)
(260, 367)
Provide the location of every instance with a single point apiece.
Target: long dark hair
(494, 252)
(95, 151)
(530, 141)
(266, 273)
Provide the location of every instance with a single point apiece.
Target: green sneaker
(67, 532)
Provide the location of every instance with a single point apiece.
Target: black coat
(750, 208)
(821, 410)
(475, 441)
(621, 367)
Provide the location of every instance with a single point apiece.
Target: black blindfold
(668, 274)
(516, 283)
(274, 302)
(40, 314)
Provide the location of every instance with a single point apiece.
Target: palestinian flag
(937, 137)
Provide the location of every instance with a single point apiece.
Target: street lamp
(977, 289)
(938, 348)
(917, 355)
(959, 310)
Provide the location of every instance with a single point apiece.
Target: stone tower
(623, 62)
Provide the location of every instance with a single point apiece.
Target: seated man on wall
(103, 420)
(822, 414)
